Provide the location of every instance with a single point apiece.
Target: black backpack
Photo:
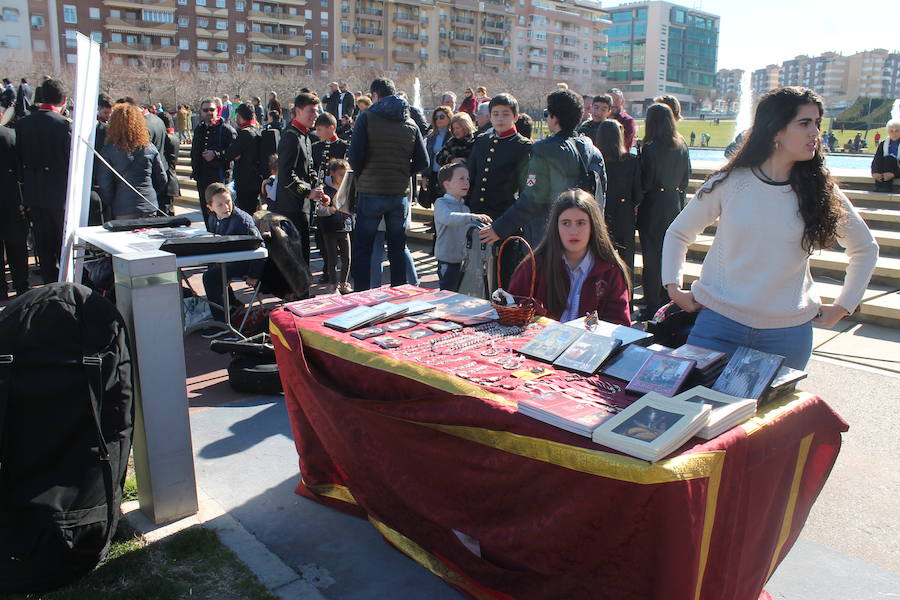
(66, 418)
(592, 182)
(268, 145)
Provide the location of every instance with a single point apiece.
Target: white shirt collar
(582, 267)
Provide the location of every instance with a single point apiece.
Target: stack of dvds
(710, 364)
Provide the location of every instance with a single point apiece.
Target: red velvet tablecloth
(503, 506)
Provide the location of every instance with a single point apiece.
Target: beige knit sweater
(756, 272)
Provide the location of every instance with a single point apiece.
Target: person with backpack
(577, 269)
(561, 161)
(244, 151)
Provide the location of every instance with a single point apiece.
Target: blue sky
(755, 33)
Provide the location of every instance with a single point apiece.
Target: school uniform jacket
(296, 175)
(497, 172)
(42, 140)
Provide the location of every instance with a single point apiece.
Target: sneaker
(345, 288)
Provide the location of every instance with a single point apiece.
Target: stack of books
(562, 410)
(709, 363)
(725, 411)
(785, 382)
(652, 427)
(361, 316)
(627, 362)
(661, 373)
(748, 373)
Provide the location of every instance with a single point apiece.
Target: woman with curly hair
(459, 146)
(776, 204)
(129, 151)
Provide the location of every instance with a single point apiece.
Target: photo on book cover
(587, 353)
(627, 362)
(462, 309)
(661, 373)
(748, 373)
(703, 357)
(648, 423)
(550, 342)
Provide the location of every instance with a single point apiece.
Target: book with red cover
(662, 373)
(564, 411)
(320, 305)
(377, 295)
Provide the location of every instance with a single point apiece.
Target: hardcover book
(320, 305)
(725, 411)
(550, 342)
(587, 353)
(463, 309)
(662, 373)
(652, 427)
(354, 318)
(627, 362)
(748, 373)
(391, 310)
(564, 411)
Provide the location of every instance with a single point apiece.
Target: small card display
(367, 332)
(662, 373)
(320, 305)
(652, 427)
(748, 373)
(416, 334)
(354, 318)
(444, 326)
(627, 362)
(399, 325)
(622, 333)
(587, 353)
(386, 341)
(550, 342)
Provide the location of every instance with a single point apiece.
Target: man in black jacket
(214, 135)
(245, 154)
(24, 98)
(13, 226)
(43, 139)
(297, 179)
(156, 129)
(332, 99)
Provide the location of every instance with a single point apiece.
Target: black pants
(48, 234)
(13, 233)
(657, 212)
(336, 247)
(248, 196)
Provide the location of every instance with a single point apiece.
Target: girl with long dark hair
(776, 204)
(578, 269)
(665, 170)
(623, 188)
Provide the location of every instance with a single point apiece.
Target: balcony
(462, 55)
(271, 58)
(493, 59)
(497, 6)
(497, 26)
(276, 17)
(206, 11)
(212, 34)
(462, 39)
(147, 50)
(140, 26)
(489, 41)
(265, 37)
(212, 55)
(406, 36)
(289, 2)
(364, 52)
(374, 14)
(142, 4)
(369, 33)
(406, 17)
(467, 22)
(409, 56)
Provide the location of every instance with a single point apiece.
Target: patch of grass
(191, 565)
(130, 491)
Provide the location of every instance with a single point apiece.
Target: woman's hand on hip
(684, 299)
(830, 314)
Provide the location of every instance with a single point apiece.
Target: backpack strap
(94, 368)
(6, 362)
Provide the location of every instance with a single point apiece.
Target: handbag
(345, 199)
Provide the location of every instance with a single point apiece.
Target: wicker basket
(522, 312)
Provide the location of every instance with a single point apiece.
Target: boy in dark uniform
(42, 140)
(211, 135)
(600, 109)
(497, 166)
(245, 154)
(328, 147)
(297, 181)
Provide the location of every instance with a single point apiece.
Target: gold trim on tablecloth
(799, 469)
(771, 412)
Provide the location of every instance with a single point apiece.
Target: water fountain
(745, 111)
(895, 111)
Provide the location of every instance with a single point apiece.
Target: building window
(220, 3)
(222, 67)
(221, 24)
(240, 68)
(240, 27)
(308, 34)
(37, 21)
(70, 58)
(239, 5)
(115, 14)
(39, 45)
(115, 37)
(202, 45)
(12, 41)
(184, 21)
(309, 54)
(202, 3)
(202, 23)
(158, 16)
(324, 56)
(70, 38)
(324, 17)
(203, 67)
(70, 14)
(240, 48)
(97, 36)
(222, 46)
(11, 15)
(182, 2)
(185, 65)
(184, 44)
(308, 15)
(324, 36)
(93, 13)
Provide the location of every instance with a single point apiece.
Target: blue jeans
(378, 255)
(715, 332)
(448, 275)
(371, 208)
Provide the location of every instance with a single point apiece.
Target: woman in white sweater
(776, 204)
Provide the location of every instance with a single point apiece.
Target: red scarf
(333, 139)
(506, 134)
(303, 128)
(53, 107)
(215, 122)
(170, 130)
(250, 123)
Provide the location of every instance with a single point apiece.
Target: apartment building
(15, 35)
(662, 48)
(765, 79)
(728, 88)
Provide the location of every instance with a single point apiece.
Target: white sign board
(81, 159)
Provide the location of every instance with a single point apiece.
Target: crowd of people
(349, 166)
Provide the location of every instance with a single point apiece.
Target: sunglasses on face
(441, 116)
